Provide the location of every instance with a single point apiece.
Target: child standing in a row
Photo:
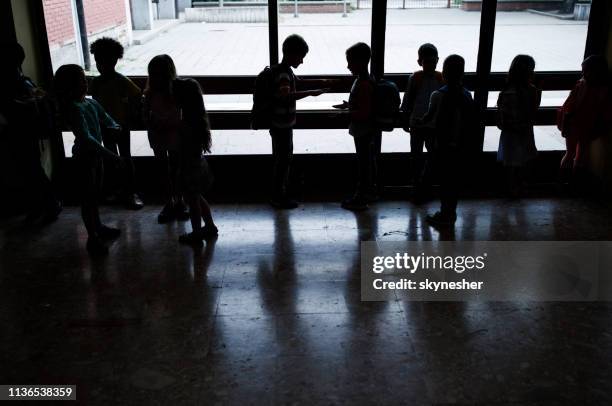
(421, 85)
(517, 107)
(86, 118)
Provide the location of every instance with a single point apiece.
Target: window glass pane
(446, 24)
(552, 37)
(549, 98)
(327, 29)
(547, 138)
(205, 39)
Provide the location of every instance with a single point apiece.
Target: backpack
(416, 82)
(261, 113)
(386, 104)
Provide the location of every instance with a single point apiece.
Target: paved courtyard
(242, 49)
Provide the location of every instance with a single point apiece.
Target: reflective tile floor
(271, 313)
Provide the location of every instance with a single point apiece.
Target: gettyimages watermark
(486, 270)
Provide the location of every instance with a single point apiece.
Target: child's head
(358, 58)
(69, 83)
(454, 66)
(428, 57)
(107, 52)
(521, 70)
(295, 49)
(595, 69)
(161, 74)
(10, 69)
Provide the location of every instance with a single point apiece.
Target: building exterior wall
(102, 18)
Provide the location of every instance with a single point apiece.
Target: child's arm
(81, 132)
(432, 111)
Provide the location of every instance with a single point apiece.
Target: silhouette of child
(361, 126)
(421, 85)
(86, 118)
(27, 115)
(517, 106)
(284, 96)
(585, 116)
(120, 97)
(451, 112)
(162, 117)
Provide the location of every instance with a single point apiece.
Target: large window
(225, 38)
(411, 23)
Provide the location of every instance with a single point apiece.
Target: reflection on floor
(271, 313)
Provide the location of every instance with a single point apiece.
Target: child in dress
(162, 118)
(517, 108)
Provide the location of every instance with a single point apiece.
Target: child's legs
(173, 165)
(374, 157)
(206, 212)
(571, 144)
(195, 210)
(418, 137)
(364, 146)
(113, 178)
(90, 178)
(282, 155)
(449, 179)
(123, 142)
(163, 172)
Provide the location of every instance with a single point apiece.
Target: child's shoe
(166, 214)
(209, 232)
(181, 211)
(134, 202)
(192, 238)
(108, 233)
(96, 247)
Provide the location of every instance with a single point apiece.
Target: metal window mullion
(485, 56)
(273, 31)
(379, 23)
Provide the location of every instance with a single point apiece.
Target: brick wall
(58, 17)
(103, 14)
(100, 15)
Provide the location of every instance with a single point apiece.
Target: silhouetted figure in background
(121, 99)
(86, 118)
(282, 120)
(517, 106)
(193, 139)
(27, 116)
(362, 127)
(585, 116)
(421, 85)
(452, 112)
(162, 117)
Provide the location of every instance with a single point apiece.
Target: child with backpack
(585, 116)
(421, 85)
(121, 99)
(274, 109)
(86, 118)
(362, 125)
(517, 106)
(452, 115)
